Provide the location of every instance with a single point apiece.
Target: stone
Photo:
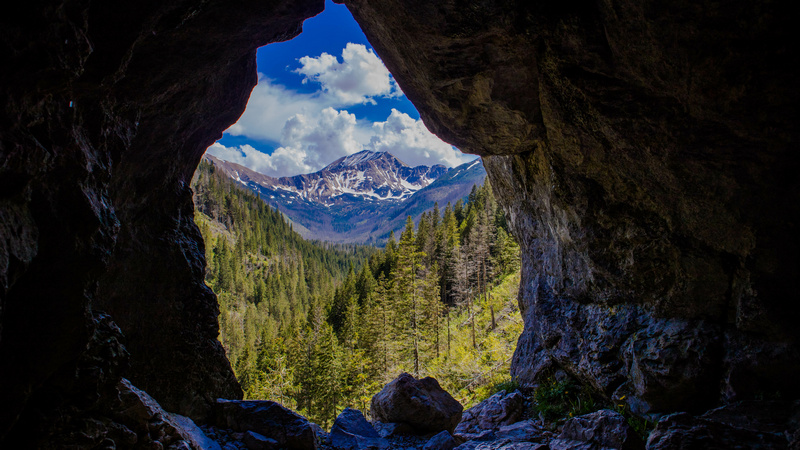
(498, 410)
(742, 425)
(255, 441)
(351, 431)
(142, 415)
(194, 437)
(441, 441)
(604, 429)
(525, 434)
(524, 430)
(393, 429)
(422, 404)
(268, 418)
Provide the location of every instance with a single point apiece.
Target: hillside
(304, 323)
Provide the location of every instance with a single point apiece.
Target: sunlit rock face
(645, 155)
(106, 111)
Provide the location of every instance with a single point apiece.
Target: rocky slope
(644, 152)
(358, 198)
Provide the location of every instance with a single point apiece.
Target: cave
(642, 153)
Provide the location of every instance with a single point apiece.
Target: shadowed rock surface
(498, 410)
(269, 419)
(600, 429)
(351, 431)
(644, 153)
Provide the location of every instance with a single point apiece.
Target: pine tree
(408, 298)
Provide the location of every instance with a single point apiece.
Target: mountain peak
(358, 197)
(361, 157)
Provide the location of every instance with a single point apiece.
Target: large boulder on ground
(351, 431)
(423, 404)
(604, 429)
(498, 410)
(270, 419)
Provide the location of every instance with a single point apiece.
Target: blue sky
(324, 95)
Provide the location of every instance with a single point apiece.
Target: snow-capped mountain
(374, 176)
(360, 197)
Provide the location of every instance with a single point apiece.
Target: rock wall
(106, 111)
(645, 156)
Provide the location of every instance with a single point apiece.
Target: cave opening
(646, 157)
(352, 233)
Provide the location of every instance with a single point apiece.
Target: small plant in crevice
(639, 425)
(554, 401)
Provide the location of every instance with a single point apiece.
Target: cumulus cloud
(245, 155)
(270, 106)
(309, 142)
(409, 140)
(320, 139)
(359, 78)
(310, 130)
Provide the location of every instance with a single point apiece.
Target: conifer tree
(408, 297)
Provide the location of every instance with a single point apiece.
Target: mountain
(360, 197)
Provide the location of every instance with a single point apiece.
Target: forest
(319, 327)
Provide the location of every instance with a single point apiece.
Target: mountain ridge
(360, 197)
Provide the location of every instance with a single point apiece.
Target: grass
(555, 401)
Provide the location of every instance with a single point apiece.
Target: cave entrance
(334, 264)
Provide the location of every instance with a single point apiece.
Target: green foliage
(509, 385)
(640, 425)
(320, 327)
(558, 400)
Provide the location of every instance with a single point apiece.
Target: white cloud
(244, 155)
(321, 138)
(270, 106)
(311, 130)
(409, 140)
(356, 80)
(309, 142)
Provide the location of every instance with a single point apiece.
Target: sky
(324, 95)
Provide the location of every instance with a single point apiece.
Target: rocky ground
(432, 420)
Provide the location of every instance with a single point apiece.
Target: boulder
(521, 435)
(140, 414)
(604, 429)
(498, 410)
(270, 419)
(351, 431)
(422, 404)
(522, 431)
(441, 441)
